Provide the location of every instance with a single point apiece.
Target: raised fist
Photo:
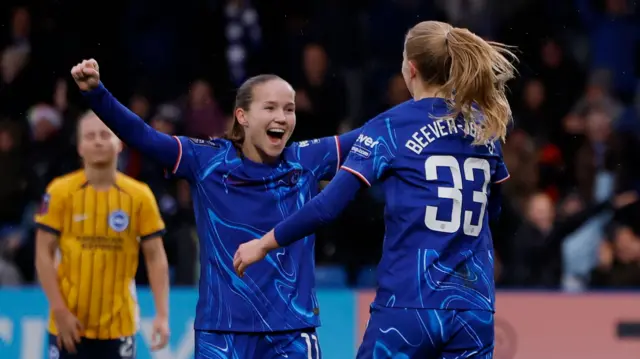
(86, 74)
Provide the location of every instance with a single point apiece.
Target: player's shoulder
(397, 111)
(304, 144)
(131, 185)
(67, 183)
(197, 147)
(215, 144)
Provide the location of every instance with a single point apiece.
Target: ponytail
(477, 79)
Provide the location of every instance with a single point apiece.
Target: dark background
(572, 150)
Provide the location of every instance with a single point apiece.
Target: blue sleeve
(325, 155)
(346, 141)
(195, 154)
(501, 173)
(373, 152)
(132, 130)
(322, 209)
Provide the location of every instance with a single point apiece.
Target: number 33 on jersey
(415, 149)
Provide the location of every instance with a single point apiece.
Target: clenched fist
(86, 75)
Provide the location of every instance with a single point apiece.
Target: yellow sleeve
(151, 224)
(50, 215)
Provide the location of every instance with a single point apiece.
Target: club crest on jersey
(294, 177)
(44, 204)
(118, 221)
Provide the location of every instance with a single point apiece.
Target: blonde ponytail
(477, 79)
(470, 71)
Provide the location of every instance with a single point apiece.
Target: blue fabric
(438, 250)
(291, 345)
(427, 333)
(236, 200)
(323, 209)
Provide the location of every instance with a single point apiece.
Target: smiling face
(266, 111)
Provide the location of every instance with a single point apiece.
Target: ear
(118, 146)
(413, 71)
(240, 117)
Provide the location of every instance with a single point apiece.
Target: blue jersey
(237, 200)
(437, 248)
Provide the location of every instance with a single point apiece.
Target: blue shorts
(427, 333)
(122, 348)
(299, 344)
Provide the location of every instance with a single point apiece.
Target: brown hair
(244, 97)
(471, 71)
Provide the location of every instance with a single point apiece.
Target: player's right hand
(69, 329)
(86, 75)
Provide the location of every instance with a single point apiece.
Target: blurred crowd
(571, 218)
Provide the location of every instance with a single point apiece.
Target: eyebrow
(276, 103)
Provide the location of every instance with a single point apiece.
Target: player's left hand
(251, 252)
(160, 336)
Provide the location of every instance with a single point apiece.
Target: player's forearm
(322, 209)
(47, 273)
(158, 271)
(131, 129)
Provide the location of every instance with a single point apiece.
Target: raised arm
(128, 126)
(369, 158)
(322, 209)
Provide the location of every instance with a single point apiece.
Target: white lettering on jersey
(366, 141)
(441, 128)
(431, 132)
(363, 146)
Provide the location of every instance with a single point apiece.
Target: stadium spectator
(619, 260)
(576, 136)
(202, 115)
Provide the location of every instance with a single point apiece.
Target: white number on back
(455, 193)
(308, 338)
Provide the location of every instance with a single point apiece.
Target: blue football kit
(436, 294)
(273, 310)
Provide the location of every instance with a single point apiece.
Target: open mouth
(275, 134)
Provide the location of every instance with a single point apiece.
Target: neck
(420, 91)
(251, 152)
(100, 177)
